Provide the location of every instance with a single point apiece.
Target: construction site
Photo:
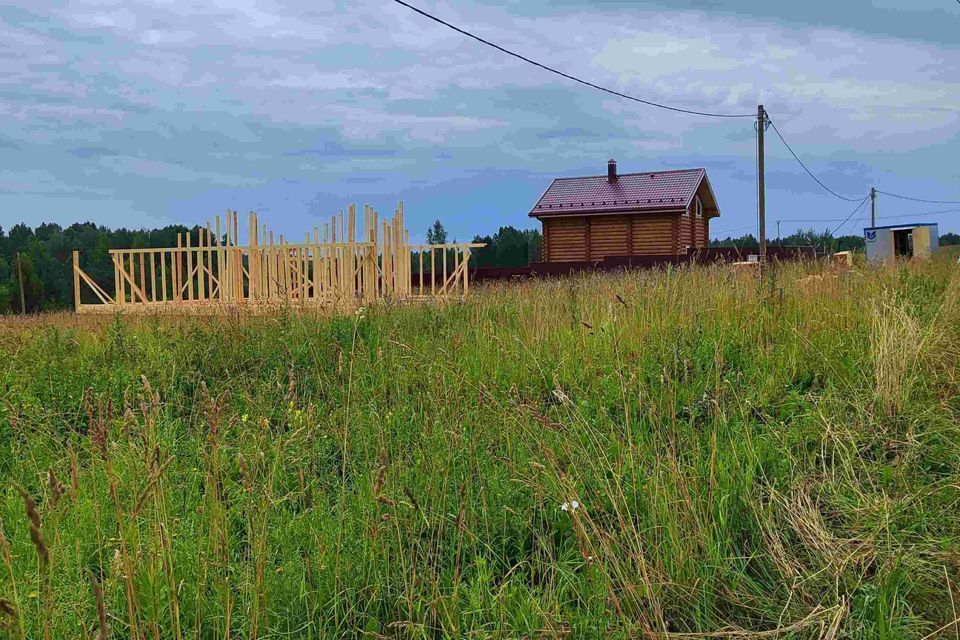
(336, 267)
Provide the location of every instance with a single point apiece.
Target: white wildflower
(573, 505)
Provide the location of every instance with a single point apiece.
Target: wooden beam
(76, 281)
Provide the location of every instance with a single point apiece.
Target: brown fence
(710, 255)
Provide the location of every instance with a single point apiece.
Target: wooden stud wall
(210, 268)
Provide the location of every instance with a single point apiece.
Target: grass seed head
(57, 488)
(33, 515)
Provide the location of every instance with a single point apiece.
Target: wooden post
(407, 264)
(377, 270)
(352, 251)
(153, 276)
(444, 281)
(251, 259)
(76, 280)
(456, 268)
(221, 272)
(178, 271)
(403, 257)
(209, 261)
(189, 269)
(163, 274)
(383, 245)
(117, 281)
(200, 280)
(133, 277)
(316, 261)
(143, 276)
(273, 272)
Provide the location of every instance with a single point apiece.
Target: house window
(699, 207)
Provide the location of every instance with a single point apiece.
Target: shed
(633, 214)
(914, 240)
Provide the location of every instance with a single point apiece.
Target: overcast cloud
(141, 114)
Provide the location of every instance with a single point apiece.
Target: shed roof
(652, 190)
(905, 225)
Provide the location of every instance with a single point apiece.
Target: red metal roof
(629, 192)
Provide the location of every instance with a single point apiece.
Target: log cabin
(633, 214)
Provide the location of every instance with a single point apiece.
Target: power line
(852, 213)
(749, 226)
(895, 195)
(906, 215)
(810, 173)
(662, 106)
(567, 75)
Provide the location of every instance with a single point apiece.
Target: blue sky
(142, 114)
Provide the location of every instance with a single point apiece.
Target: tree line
(42, 260)
(822, 241)
(46, 254)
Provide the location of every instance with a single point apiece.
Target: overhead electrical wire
(852, 213)
(906, 215)
(567, 75)
(748, 226)
(896, 195)
(810, 173)
(667, 107)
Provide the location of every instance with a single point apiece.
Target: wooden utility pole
(873, 206)
(761, 189)
(23, 303)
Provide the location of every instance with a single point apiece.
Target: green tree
(509, 247)
(436, 234)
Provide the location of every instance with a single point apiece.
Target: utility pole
(779, 241)
(23, 304)
(761, 189)
(873, 206)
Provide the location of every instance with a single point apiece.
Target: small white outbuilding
(913, 240)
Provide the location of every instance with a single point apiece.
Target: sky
(141, 114)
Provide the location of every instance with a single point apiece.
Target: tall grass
(679, 453)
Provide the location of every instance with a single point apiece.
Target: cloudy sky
(142, 114)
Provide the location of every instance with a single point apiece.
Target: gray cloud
(175, 111)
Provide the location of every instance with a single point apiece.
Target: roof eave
(601, 212)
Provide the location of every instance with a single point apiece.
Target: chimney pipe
(611, 170)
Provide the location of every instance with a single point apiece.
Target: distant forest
(46, 254)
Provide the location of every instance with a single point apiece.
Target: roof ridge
(633, 173)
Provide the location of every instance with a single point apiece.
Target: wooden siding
(565, 239)
(597, 237)
(608, 236)
(692, 232)
(652, 234)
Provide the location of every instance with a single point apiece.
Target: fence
(336, 268)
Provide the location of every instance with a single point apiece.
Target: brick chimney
(611, 170)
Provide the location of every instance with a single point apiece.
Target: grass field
(685, 453)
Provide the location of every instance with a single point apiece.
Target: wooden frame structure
(338, 268)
